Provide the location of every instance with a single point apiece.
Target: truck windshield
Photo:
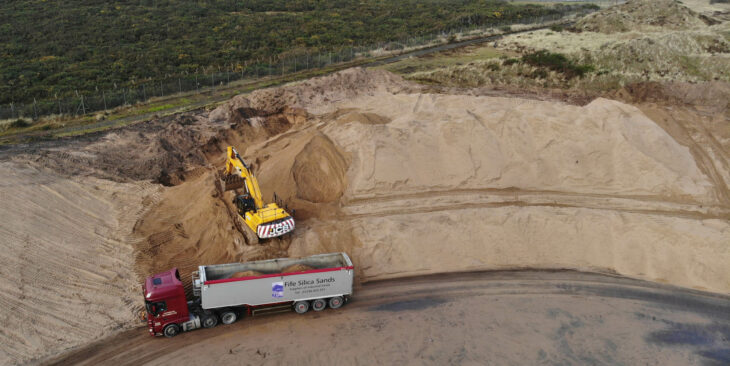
(155, 308)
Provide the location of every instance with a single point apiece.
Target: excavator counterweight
(266, 220)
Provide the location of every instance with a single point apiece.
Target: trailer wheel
(336, 302)
(228, 317)
(301, 307)
(319, 304)
(171, 330)
(209, 320)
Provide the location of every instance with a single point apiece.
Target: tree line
(54, 49)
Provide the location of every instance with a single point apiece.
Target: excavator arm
(236, 167)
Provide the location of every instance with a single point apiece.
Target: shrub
(557, 62)
(510, 61)
(506, 28)
(539, 74)
(557, 28)
(19, 123)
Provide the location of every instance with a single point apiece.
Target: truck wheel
(209, 320)
(336, 302)
(228, 317)
(319, 305)
(171, 330)
(301, 307)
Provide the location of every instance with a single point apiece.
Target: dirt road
(505, 317)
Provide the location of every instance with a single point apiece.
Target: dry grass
(700, 54)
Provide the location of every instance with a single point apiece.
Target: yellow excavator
(266, 220)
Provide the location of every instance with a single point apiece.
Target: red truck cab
(165, 302)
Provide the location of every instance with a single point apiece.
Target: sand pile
(458, 182)
(245, 274)
(637, 15)
(297, 268)
(447, 141)
(308, 94)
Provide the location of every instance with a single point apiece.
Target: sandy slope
(67, 260)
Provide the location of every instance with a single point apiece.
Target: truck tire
(336, 302)
(209, 320)
(171, 330)
(319, 304)
(301, 307)
(228, 317)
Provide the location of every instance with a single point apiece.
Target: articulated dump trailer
(225, 292)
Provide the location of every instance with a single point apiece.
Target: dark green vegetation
(54, 49)
(556, 62)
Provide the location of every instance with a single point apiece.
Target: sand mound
(637, 15)
(309, 94)
(459, 182)
(297, 268)
(245, 274)
(319, 171)
(477, 142)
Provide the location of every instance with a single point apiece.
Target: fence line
(102, 100)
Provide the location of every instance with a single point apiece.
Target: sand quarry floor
(408, 180)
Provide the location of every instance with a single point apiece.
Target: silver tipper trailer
(314, 282)
(225, 292)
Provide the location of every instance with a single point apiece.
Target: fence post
(12, 110)
(179, 85)
(35, 109)
(162, 91)
(59, 106)
(103, 96)
(144, 93)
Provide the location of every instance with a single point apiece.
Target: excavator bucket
(231, 182)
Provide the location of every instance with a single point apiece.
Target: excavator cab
(244, 203)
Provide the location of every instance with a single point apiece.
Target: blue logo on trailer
(277, 289)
